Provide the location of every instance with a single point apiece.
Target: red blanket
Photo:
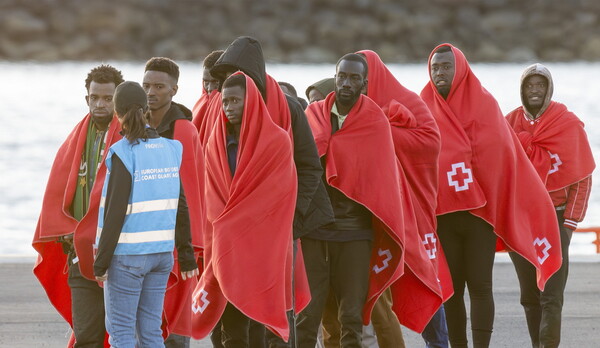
(178, 298)
(483, 169)
(248, 256)
(56, 220)
(198, 109)
(417, 143)
(362, 164)
(278, 106)
(556, 144)
(205, 112)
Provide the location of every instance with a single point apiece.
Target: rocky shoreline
(310, 31)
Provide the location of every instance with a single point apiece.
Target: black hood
(245, 54)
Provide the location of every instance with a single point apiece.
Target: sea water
(41, 103)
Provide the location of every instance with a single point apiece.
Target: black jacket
(166, 128)
(313, 208)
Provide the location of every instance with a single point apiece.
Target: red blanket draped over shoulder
(178, 297)
(248, 259)
(205, 113)
(56, 220)
(199, 109)
(417, 143)
(558, 132)
(483, 169)
(361, 163)
(278, 108)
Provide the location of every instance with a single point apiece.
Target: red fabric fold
(248, 255)
(178, 297)
(483, 169)
(417, 144)
(362, 164)
(199, 109)
(56, 220)
(205, 113)
(556, 144)
(278, 106)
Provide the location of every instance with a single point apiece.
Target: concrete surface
(28, 320)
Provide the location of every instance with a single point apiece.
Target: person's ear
(87, 100)
(174, 90)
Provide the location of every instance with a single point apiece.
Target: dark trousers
(274, 341)
(385, 323)
(470, 246)
(87, 305)
(177, 341)
(435, 334)
(215, 336)
(543, 309)
(239, 331)
(343, 268)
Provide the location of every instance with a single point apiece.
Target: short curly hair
(165, 65)
(235, 80)
(212, 58)
(360, 58)
(103, 74)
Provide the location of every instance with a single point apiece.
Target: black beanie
(127, 94)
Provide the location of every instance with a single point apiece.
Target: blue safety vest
(149, 225)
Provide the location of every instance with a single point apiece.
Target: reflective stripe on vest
(149, 225)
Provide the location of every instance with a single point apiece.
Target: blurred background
(299, 31)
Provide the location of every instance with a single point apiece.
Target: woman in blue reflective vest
(143, 215)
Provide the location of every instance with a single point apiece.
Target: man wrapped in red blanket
(251, 196)
(488, 192)
(67, 226)
(555, 142)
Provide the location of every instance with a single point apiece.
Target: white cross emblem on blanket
(205, 302)
(556, 162)
(455, 178)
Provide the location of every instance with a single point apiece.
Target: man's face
(100, 101)
(160, 89)
(314, 96)
(233, 103)
(535, 88)
(442, 72)
(349, 82)
(209, 82)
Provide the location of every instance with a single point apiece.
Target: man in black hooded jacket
(313, 208)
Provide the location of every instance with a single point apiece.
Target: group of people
(261, 219)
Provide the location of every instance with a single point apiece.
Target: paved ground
(28, 320)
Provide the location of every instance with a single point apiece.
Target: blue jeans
(133, 295)
(436, 332)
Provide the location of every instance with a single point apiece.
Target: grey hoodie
(537, 69)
